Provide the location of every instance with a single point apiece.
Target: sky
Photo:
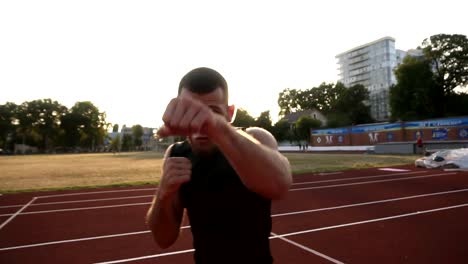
(127, 57)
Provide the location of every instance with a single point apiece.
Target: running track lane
(161, 258)
(63, 225)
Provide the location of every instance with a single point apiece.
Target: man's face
(215, 101)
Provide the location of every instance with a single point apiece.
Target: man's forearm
(262, 169)
(164, 219)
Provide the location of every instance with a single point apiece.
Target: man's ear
(232, 110)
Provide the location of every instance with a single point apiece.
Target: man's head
(204, 80)
(209, 87)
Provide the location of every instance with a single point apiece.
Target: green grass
(76, 171)
(323, 162)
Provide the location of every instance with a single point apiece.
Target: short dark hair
(204, 80)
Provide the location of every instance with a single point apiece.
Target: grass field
(48, 172)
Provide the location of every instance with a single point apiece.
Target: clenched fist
(176, 171)
(191, 113)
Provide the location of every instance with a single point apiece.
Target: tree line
(433, 85)
(50, 126)
(429, 86)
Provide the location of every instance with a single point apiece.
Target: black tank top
(229, 223)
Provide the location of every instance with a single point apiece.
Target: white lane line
(80, 209)
(80, 201)
(357, 178)
(80, 239)
(147, 257)
(85, 193)
(274, 215)
(369, 182)
(369, 203)
(17, 213)
(107, 199)
(392, 169)
(300, 189)
(73, 240)
(300, 232)
(315, 252)
(372, 220)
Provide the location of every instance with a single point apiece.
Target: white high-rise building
(372, 65)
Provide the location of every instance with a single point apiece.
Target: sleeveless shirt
(229, 223)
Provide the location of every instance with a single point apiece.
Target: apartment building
(372, 65)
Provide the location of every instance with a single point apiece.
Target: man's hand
(176, 171)
(185, 116)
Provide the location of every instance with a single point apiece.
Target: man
(225, 178)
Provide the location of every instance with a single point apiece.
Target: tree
(137, 131)
(115, 128)
(92, 124)
(127, 142)
(449, 56)
(281, 130)
(264, 121)
(71, 124)
(40, 120)
(350, 102)
(416, 94)
(288, 101)
(243, 119)
(115, 144)
(303, 126)
(338, 119)
(7, 124)
(346, 105)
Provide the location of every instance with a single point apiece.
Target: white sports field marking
(372, 220)
(73, 240)
(369, 182)
(358, 178)
(328, 173)
(301, 232)
(315, 252)
(85, 193)
(131, 197)
(392, 169)
(299, 189)
(147, 257)
(457, 169)
(80, 209)
(17, 213)
(80, 239)
(80, 201)
(369, 203)
(274, 215)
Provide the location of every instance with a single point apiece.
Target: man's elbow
(282, 187)
(162, 242)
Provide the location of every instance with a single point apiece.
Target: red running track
(360, 216)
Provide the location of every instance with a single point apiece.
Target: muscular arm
(254, 156)
(164, 217)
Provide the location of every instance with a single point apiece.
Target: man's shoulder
(263, 136)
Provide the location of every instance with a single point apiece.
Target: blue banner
(448, 122)
(331, 131)
(372, 128)
(440, 134)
